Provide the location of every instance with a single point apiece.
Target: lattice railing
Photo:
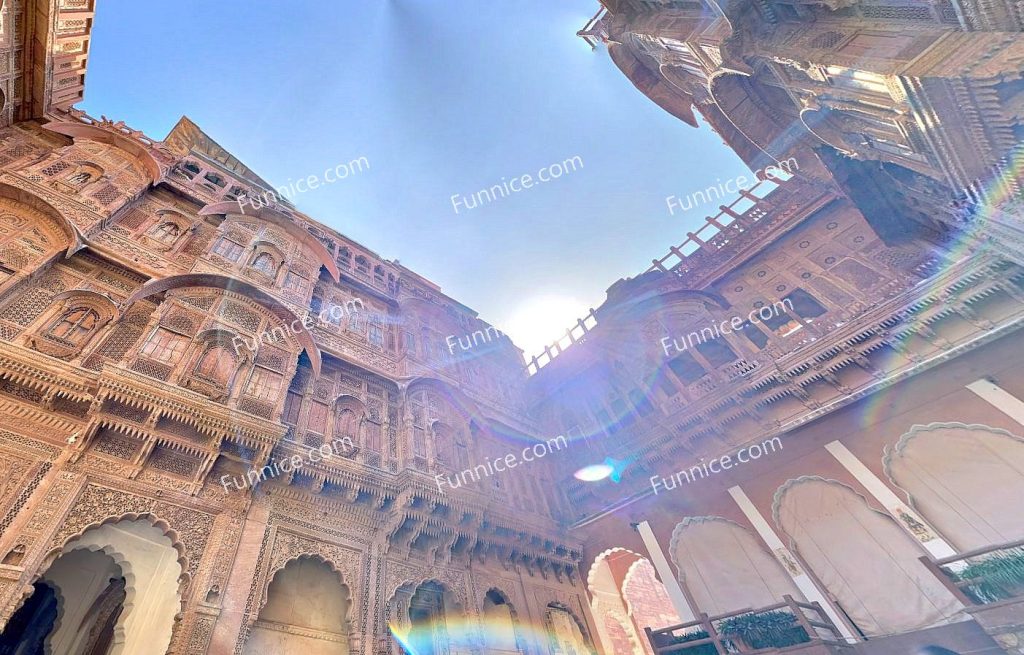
(719, 233)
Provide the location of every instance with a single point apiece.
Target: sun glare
(542, 320)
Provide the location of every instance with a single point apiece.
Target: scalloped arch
(316, 557)
(605, 554)
(792, 482)
(127, 564)
(153, 520)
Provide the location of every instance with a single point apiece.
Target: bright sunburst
(541, 320)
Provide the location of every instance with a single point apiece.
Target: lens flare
(496, 634)
(594, 472)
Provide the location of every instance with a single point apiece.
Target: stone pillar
(999, 398)
(909, 520)
(376, 603)
(243, 576)
(807, 585)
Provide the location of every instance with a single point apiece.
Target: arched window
(75, 325)
(81, 177)
(265, 264)
(190, 170)
(166, 233)
(217, 365)
(346, 424)
(444, 444)
(461, 451)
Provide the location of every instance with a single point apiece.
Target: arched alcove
(725, 567)
(960, 477)
(436, 624)
(116, 590)
(306, 612)
(565, 631)
(867, 562)
(499, 623)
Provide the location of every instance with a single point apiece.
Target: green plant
(671, 640)
(765, 629)
(999, 577)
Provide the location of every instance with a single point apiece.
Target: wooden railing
(728, 644)
(981, 588)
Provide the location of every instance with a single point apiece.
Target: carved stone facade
(240, 422)
(912, 106)
(165, 352)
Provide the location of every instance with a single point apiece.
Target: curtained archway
(960, 478)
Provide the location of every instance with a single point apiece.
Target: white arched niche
(965, 479)
(725, 567)
(867, 562)
(146, 557)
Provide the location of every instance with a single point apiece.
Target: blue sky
(442, 97)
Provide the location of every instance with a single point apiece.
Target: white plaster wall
(498, 628)
(80, 577)
(264, 640)
(150, 565)
(966, 480)
(306, 613)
